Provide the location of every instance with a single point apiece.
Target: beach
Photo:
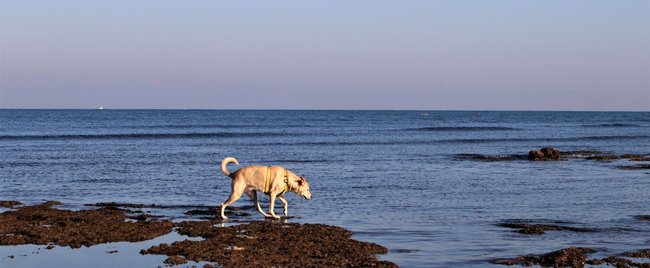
(405, 188)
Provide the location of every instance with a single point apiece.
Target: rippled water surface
(393, 177)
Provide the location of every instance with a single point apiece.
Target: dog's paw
(276, 217)
(224, 218)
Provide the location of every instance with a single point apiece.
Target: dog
(272, 180)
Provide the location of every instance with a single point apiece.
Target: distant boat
(101, 107)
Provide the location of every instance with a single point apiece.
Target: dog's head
(303, 188)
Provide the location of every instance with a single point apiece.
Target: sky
(420, 55)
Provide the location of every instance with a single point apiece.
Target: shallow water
(121, 254)
(392, 177)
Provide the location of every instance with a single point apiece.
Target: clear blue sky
(504, 55)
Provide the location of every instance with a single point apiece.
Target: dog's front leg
(271, 207)
(257, 204)
(286, 205)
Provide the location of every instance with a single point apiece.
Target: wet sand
(257, 243)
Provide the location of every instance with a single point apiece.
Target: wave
(461, 129)
(612, 125)
(184, 126)
(304, 161)
(447, 141)
(209, 126)
(144, 136)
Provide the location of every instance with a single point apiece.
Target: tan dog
(274, 181)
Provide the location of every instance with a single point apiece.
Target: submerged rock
(568, 257)
(637, 167)
(642, 217)
(641, 254)
(544, 154)
(490, 158)
(528, 228)
(604, 157)
(635, 157)
(618, 262)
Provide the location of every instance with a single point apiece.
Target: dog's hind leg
(257, 203)
(271, 207)
(237, 190)
(286, 205)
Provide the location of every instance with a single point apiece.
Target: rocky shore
(577, 257)
(553, 154)
(257, 243)
(571, 256)
(264, 244)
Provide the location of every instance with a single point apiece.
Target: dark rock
(490, 158)
(544, 154)
(9, 204)
(596, 262)
(604, 157)
(527, 228)
(138, 217)
(573, 256)
(619, 262)
(175, 260)
(637, 167)
(215, 213)
(43, 225)
(642, 217)
(644, 253)
(268, 244)
(635, 157)
(52, 203)
(521, 261)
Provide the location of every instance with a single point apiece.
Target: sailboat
(101, 107)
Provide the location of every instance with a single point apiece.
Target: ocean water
(393, 177)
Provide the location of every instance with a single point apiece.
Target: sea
(402, 179)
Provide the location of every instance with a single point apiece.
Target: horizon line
(327, 109)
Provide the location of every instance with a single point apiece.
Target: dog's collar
(267, 182)
(286, 182)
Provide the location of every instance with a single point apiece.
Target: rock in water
(544, 154)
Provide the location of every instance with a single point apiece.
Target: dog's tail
(225, 162)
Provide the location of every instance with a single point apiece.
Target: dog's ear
(302, 179)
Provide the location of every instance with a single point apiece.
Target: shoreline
(206, 240)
